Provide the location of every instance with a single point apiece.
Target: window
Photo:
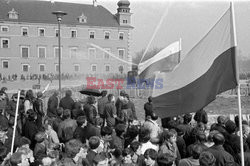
(107, 68)
(106, 55)
(13, 14)
(125, 21)
(121, 34)
(93, 67)
(5, 64)
(56, 52)
(121, 69)
(41, 67)
(76, 67)
(121, 53)
(91, 34)
(41, 52)
(4, 28)
(82, 18)
(73, 52)
(25, 51)
(106, 35)
(73, 34)
(5, 43)
(25, 67)
(41, 32)
(92, 52)
(56, 67)
(24, 31)
(57, 32)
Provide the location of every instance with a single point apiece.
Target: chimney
(95, 3)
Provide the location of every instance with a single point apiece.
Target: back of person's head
(110, 96)
(144, 135)
(187, 118)
(207, 159)
(24, 141)
(80, 120)
(218, 139)
(196, 151)
(98, 121)
(122, 93)
(150, 99)
(117, 153)
(201, 116)
(135, 146)
(230, 126)
(120, 129)
(68, 93)
(59, 111)
(94, 142)
(132, 131)
(211, 134)
(154, 116)
(91, 99)
(221, 120)
(106, 130)
(39, 94)
(66, 113)
(3, 153)
(16, 159)
(171, 124)
(104, 93)
(29, 94)
(150, 153)
(72, 147)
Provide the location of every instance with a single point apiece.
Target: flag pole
(179, 58)
(238, 84)
(15, 124)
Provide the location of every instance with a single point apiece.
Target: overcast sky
(189, 20)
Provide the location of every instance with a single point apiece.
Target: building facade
(29, 38)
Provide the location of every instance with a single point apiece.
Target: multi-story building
(29, 38)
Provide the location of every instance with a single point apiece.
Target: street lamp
(59, 15)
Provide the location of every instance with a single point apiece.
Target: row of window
(25, 67)
(73, 51)
(73, 34)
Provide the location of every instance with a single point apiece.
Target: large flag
(159, 62)
(207, 70)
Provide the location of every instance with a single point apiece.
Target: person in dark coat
(93, 130)
(101, 104)
(31, 128)
(119, 103)
(148, 107)
(67, 102)
(80, 132)
(109, 109)
(38, 108)
(90, 110)
(77, 111)
(94, 143)
(53, 104)
(222, 157)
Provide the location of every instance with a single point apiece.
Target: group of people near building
(106, 131)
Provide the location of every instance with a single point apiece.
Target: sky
(188, 20)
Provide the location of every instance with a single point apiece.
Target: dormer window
(82, 19)
(13, 14)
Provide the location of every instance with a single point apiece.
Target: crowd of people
(106, 131)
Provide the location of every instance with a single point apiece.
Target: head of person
(56, 93)
(91, 100)
(24, 142)
(132, 132)
(40, 137)
(16, 159)
(81, 121)
(200, 136)
(59, 111)
(4, 89)
(196, 151)
(117, 153)
(106, 132)
(207, 159)
(29, 94)
(144, 135)
(94, 142)
(136, 147)
(218, 139)
(66, 114)
(101, 159)
(221, 120)
(73, 147)
(230, 126)
(150, 157)
(122, 93)
(68, 93)
(32, 115)
(154, 117)
(187, 118)
(98, 122)
(39, 95)
(169, 136)
(120, 129)
(150, 99)
(111, 97)
(127, 154)
(3, 153)
(245, 130)
(104, 93)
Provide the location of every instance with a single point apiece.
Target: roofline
(66, 25)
